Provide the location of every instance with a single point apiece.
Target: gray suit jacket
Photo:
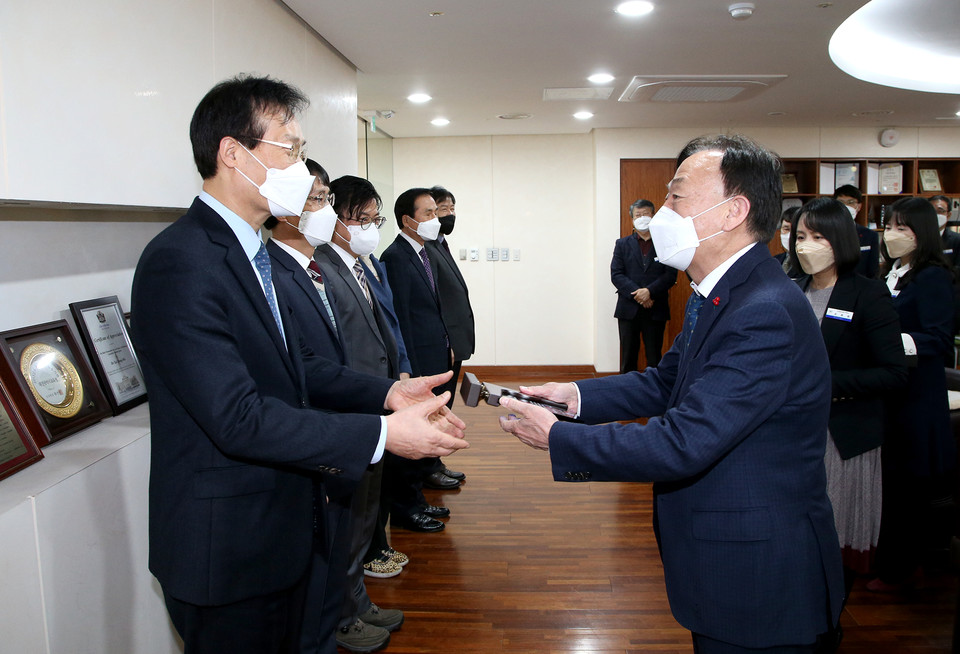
(368, 342)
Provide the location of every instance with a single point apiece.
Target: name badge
(840, 314)
(864, 248)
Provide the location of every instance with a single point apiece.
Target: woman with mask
(787, 219)
(861, 332)
(919, 452)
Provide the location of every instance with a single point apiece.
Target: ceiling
(483, 58)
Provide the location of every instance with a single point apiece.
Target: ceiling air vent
(697, 88)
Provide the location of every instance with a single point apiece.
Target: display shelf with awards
(103, 329)
(49, 367)
(947, 173)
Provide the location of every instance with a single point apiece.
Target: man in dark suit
(643, 284)
(413, 273)
(750, 554)
(456, 310)
(950, 238)
(234, 444)
(869, 265)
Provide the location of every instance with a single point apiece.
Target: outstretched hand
(413, 390)
(531, 424)
(425, 429)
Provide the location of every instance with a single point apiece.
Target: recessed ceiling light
(958, 113)
(513, 116)
(440, 122)
(601, 78)
(583, 115)
(435, 14)
(419, 98)
(634, 8)
(776, 113)
(873, 113)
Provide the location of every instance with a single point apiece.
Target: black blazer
(951, 248)
(232, 439)
(418, 308)
(869, 265)
(454, 302)
(380, 284)
(630, 270)
(866, 360)
(367, 338)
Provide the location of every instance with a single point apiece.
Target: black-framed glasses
(322, 198)
(297, 151)
(366, 222)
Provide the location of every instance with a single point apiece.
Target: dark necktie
(262, 261)
(445, 245)
(358, 271)
(426, 266)
(690, 316)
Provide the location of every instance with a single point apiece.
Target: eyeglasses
(298, 151)
(366, 222)
(322, 199)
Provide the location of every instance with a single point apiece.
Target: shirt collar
(297, 255)
(250, 240)
(416, 246)
(706, 286)
(348, 258)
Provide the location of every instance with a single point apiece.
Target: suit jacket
(454, 302)
(630, 270)
(368, 341)
(232, 440)
(418, 308)
(919, 439)
(750, 553)
(861, 331)
(381, 288)
(869, 265)
(951, 248)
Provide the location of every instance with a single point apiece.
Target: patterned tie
(358, 271)
(690, 316)
(262, 261)
(426, 266)
(314, 271)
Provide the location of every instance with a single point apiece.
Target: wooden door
(648, 179)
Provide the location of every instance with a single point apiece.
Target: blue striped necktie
(690, 316)
(262, 261)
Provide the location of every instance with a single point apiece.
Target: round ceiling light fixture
(741, 10)
(601, 78)
(634, 8)
(419, 98)
(440, 122)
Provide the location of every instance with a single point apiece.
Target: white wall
(557, 198)
(532, 193)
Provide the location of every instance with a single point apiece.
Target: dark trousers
(364, 514)
(327, 580)
(641, 328)
(705, 645)
(266, 624)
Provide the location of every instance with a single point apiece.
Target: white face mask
(852, 210)
(814, 257)
(942, 220)
(899, 243)
(675, 237)
(286, 189)
(642, 223)
(317, 226)
(785, 240)
(429, 230)
(363, 241)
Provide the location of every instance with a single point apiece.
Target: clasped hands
(642, 297)
(531, 424)
(421, 425)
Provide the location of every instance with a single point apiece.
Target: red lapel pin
(716, 301)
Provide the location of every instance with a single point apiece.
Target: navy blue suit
(630, 270)
(234, 447)
(380, 285)
(745, 529)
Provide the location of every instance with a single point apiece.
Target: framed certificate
(103, 328)
(50, 369)
(930, 180)
(19, 427)
(846, 173)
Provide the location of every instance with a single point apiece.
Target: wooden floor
(526, 564)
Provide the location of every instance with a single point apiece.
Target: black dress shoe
(453, 474)
(440, 481)
(435, 511)
(417, 522)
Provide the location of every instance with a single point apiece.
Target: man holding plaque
(234, 443)
(750, 555)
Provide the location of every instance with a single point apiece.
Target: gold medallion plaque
(53, 380)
